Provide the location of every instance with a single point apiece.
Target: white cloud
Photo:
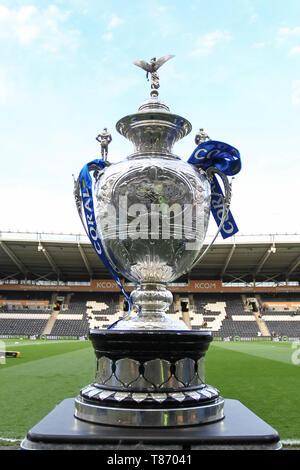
(286, 32)
(114, 22)
(295, 50)
(289, 37)
(206, 43)
(28, 26)
(107, 36)
(258, 45)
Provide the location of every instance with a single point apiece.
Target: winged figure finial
(152, 68)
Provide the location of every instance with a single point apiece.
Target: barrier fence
(85, 337)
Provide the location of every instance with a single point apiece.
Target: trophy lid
(153, 130)
(154, 104)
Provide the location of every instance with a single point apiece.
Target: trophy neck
(151, 299)
(153, 130)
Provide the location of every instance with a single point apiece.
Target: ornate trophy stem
(152, 301)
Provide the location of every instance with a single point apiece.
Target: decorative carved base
(150, 379)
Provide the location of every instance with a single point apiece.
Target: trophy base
(150, 379)
(150, 417)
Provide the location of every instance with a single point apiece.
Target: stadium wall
(193, 286)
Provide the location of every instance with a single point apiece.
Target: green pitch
(265, 377)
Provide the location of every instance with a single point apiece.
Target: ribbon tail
(217, 208)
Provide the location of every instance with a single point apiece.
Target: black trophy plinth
(239, 430)
(150, 393)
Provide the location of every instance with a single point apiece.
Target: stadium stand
(281, 314)
(225, 315)
(22, 326)
(20, 316)
(70, 327)
(32, 301)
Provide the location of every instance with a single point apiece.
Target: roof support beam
(292, 267)
(9, 276)
(229, 256)
(269, 278)
(14, 258)
(85, 260)
(236, 278)
(263, 260)
(49, 258)
(44, 277)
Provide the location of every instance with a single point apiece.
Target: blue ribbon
(86, 187)
(227, 159)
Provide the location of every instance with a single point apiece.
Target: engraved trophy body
(152, 213)
(147, 220)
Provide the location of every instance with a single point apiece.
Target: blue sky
(66, 72)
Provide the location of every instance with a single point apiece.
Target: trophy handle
(210, 172)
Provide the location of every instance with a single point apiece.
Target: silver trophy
(149, 220)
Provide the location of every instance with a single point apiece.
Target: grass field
(261, 375)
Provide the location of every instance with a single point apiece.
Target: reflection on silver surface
(185, 371)
(104, 369)
(154, 417)
(201, 369)
(156, 373)
(127, 371)
(146, 242)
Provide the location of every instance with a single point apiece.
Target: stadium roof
(242, 259)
